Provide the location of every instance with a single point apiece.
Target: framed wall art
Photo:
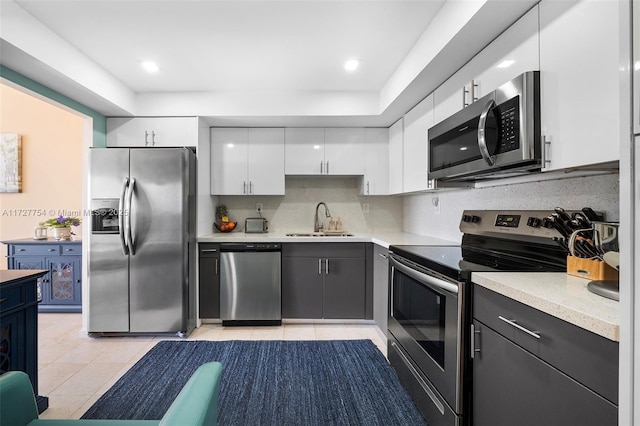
(10, 163)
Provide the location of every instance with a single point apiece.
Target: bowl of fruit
(224, 224)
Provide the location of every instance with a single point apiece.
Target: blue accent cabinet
(60, 290)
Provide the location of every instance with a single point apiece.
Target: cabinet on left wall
(60, 289)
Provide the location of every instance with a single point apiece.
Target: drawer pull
(22, 249)
(519, 327)
(68, 249)
(51, 250)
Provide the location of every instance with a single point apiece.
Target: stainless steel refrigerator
(142, 243)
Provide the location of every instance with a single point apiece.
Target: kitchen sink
(319, 234)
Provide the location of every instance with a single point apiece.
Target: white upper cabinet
(247, 161)
(415, 154)
(509, 55)
(579, 82)
(452, 95)
(514, 52)
(320, 151)
(396, 157)
(152, 132)
(344, 151)
(376, 162)
(304, 151)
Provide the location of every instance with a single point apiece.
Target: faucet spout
(317, 226)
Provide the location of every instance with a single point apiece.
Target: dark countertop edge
(8, 276)
(47, 241)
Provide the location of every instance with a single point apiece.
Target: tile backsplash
(599, 192)
(294, 212)
(416, 213)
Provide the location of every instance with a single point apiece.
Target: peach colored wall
(51, 164)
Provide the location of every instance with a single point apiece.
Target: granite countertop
(385, 238)
(558, 294)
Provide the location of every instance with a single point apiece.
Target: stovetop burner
(493, 241)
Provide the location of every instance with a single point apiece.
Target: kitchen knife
(582, 220)
(558, 227)
(560, 224)
(591, 215)
(562, 213)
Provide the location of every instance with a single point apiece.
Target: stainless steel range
(430, 302)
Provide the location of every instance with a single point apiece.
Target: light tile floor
(75, 369)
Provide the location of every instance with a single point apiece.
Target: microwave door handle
(482, 141)
(433, 283)
(121, 215)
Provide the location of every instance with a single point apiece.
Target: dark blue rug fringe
(335, 382)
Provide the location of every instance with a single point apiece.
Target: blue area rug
(337, 382)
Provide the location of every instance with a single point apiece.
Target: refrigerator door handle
(121, 214)
(128, 233)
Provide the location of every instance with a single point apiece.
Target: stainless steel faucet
(317, 226)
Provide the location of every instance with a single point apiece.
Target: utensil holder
(591, 269)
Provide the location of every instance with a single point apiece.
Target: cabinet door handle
(22, 249)
(146, 138)
(473, 341)
(321, 167)
(244, 187)
(464, 97)
(153, 138)
(319, 266)
(474, 95)
(546, 144)
(68, 249)
(519, 327)
(326, 266)
(327, 167)
(51, 250)
(78, 281)
(250, 187)
(368, 188)
(382, 255)
(216, 266)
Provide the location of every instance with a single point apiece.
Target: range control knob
(534, 222)
(475, 219)
(466, 218)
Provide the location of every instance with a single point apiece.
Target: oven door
(425, 318)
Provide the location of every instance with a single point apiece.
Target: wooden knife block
(596, 270)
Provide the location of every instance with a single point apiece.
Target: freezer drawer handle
(519, 327)
(121, 214)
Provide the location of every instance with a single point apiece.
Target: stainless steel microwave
(496, 136)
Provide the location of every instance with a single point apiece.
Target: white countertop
(384, 238)
(563, 296)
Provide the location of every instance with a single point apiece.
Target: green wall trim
(99, 120)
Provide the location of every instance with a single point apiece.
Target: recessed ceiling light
(506, 64)
(150, 66)
(351, 65)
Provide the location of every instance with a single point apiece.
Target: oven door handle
(434, 283)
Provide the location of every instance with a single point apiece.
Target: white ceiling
(240, 45)
(281, 50)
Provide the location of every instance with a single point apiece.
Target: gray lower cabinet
(323, 280)
(566, 376)
(380, 287)
(209, 280)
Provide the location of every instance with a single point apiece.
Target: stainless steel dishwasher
(250, 284)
